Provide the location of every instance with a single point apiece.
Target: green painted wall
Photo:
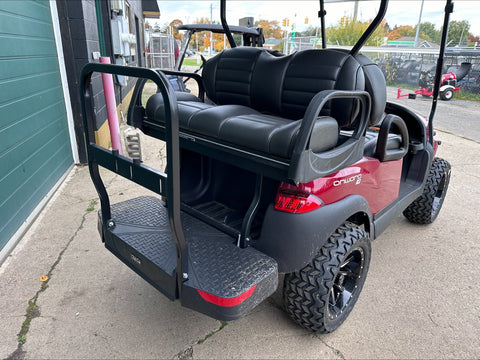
(34, 141)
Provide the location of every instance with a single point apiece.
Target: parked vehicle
(294, 165)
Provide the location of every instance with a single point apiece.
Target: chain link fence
(406, 66)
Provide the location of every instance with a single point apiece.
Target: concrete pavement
(420, 299)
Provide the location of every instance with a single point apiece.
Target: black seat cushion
(375, 85)
(243, 126)
(188, 105)
(394, 141)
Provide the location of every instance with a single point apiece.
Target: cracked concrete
(419, 301)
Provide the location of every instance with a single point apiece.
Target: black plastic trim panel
(294, 239)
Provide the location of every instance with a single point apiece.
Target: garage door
(35, 146)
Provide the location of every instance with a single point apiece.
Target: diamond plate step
(224, 281)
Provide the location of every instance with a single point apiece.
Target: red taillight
(296, 201)
(227, 302)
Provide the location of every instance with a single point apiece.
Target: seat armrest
(306, 164)
(382, 152)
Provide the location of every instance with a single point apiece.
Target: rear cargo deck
(223, 280)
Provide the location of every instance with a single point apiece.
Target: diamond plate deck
(215, 264)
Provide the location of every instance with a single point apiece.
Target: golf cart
(293, 166)
(248, 37)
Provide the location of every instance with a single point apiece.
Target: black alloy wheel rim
(440, 193)
(346, 282)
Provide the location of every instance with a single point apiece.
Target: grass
(191, 62)
(32, 312)
(201, 341)
(466, 95)
(149, 89)
(92, 204)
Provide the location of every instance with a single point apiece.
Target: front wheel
(320, 296)
(446, 94)
(425, 209)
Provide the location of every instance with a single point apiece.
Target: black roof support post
(438, 72)
(371, 28)
(321, 15)
(223, 19)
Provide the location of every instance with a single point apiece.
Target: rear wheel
(425, 209)
(446, 94)
(320, 296)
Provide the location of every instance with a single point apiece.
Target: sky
(405, 12)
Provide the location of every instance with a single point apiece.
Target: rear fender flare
(294, 239)
(445, 87)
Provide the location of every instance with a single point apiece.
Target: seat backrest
(376, 86)
(283, 85)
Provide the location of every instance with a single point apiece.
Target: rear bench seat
(260, 98)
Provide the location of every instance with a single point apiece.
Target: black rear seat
(261, 97)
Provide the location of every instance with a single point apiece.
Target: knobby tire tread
(421, 211)
(306, 291)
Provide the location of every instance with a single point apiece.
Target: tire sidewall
(306, 291)
(333, 323)
(447, 94)
(445, 177)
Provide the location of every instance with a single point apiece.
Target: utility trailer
(285, 164)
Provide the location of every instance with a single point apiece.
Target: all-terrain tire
(312, 295)
(425, 209)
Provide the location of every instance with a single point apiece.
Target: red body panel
(377, 182)
(448, 76)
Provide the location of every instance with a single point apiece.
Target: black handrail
(172, 144)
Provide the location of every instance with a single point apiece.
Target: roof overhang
(150, 9)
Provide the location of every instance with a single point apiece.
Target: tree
(429, 32)
(347, 32)
(311, 31)
(202, 20)
(401, 31)
(458, 32)
(174, 25)
(472, 40)
(271, 29)
(200, 38)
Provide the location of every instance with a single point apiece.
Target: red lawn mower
(448, 84)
